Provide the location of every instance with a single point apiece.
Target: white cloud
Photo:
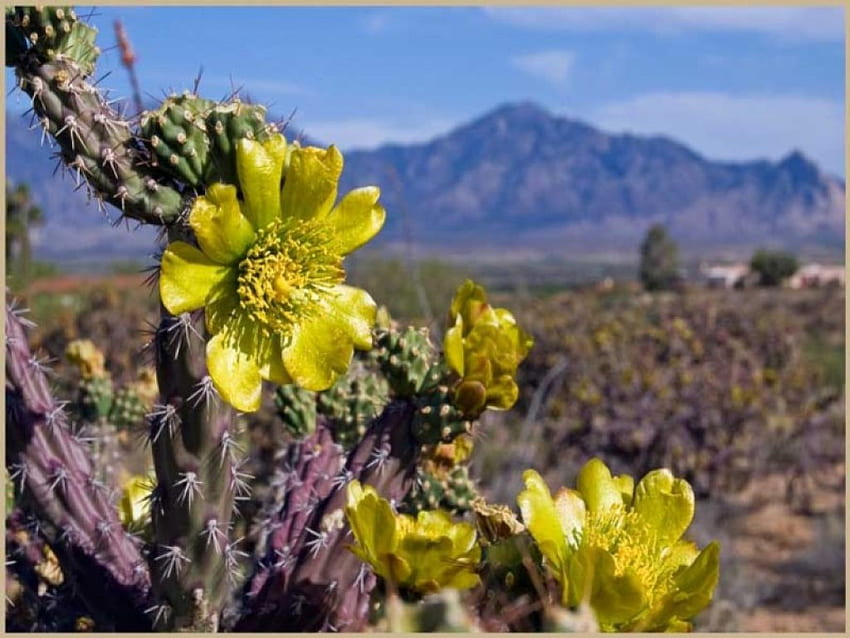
(370, 133)
(807, 23)
(735, 127)
(552, 66)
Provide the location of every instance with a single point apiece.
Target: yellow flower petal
(665, 503)
(542, 520)
(270, 362)
(571, 512)
(614, 598)
(310, 187)
(356, 309)
(453, 347)
(372, 522)
(222, 307)
(223, 232)
(234, 371)
(186, 277)
(319, 351)
(259, 166)
(597, 486)
(357, 218)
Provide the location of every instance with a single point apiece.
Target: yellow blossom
(484, 346)
(86, 356)
(268, 270)
(426, 553)
(619, 547)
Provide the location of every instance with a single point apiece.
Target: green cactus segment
(226, 124)
(96, 143)
(176, 135)
(195, 562)
(453, 492)
(51, 32)
(350, 405)
(296, 407)
(352, 402)
(94, 398)
(436, 418)
(127, 410)
(406, 359)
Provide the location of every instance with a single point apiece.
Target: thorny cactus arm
(308, 580)
(194, 563)
(95, 141)
(58, 484)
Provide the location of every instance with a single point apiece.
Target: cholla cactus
(251, 285)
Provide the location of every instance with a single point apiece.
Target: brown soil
(793, 560)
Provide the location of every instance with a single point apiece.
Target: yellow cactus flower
(484, 346)
(134, 505)
(268, 271)
(426, 553)
(619, 547)
(86, 356)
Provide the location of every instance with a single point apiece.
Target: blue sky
(733, 83)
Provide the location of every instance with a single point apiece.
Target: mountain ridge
(520, 177)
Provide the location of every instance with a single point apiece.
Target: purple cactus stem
(309, 580)
(56, 473)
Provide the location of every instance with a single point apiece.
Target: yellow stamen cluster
(632, 544)
(283, 271)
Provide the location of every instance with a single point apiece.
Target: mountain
(520, 178)
(519, 175)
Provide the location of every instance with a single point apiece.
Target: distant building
(726, 275)
(816, 275)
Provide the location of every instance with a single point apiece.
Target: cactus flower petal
(597, 486)
(320, 350)
(234, 372)
(357, 218)
(270, 362)
(357, 310)
(667, 503)
(187, 275)
(541, 519)
(311, 182)
(223, 232)
(259, 166)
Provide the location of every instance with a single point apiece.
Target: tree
(773, 266)
(659, 260)
(21, 216)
